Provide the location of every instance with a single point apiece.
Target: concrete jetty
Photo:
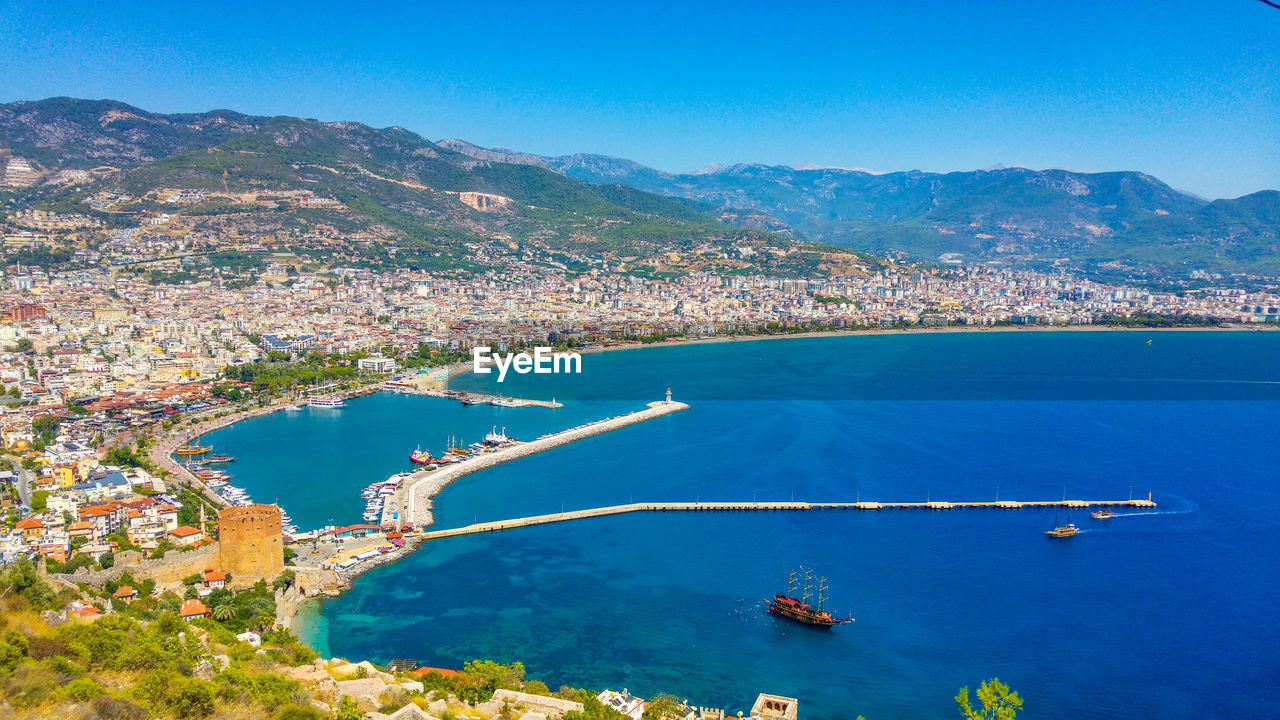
(469, 398)
(426, 484)
(498, 525)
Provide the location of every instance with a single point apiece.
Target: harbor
(414, 498)
(468, 398)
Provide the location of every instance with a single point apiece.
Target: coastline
(941, 330)
(425, 489)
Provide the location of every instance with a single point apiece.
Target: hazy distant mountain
(1012, 214)
(493, 154)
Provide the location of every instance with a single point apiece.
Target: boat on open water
(788, 606)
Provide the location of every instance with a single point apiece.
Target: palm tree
(223, 612)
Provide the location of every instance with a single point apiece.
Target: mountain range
(426, 205)
(1014, 215)
(449, 203)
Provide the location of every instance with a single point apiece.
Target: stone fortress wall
(251, 541)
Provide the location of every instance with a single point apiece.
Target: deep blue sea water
(1166, 614)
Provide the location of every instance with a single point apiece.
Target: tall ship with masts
(799, 609)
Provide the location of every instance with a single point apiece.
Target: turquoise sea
(1161, 614)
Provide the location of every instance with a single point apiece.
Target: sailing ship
(1062, 530)
(787, 605)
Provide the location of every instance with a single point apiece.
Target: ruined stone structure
(251, 541)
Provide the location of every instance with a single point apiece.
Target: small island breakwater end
(764, 506)
(427, 483)
(469, 398)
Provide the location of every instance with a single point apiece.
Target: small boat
(1103, 514)
(1062, 530)
(219, 459)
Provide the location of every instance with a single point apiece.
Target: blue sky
(1186, 91)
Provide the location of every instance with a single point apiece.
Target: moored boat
(325, 401)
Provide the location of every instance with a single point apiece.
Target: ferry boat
(1103, 514)
(1062, 530)
(325, 401)
(788, 606)
(421, 457)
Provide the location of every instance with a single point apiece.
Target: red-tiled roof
(191, 608)
(443, 671)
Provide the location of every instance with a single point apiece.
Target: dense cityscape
(948, 383)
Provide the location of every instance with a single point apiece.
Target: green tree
(192, 699)
(663, 707)
(496, 675)
(40, 500)
(286, 579)
(223, 612)
(45, 428)
(13, 648)
(998, 702)
(23, 580)
(23, 345)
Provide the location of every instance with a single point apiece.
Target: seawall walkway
(426, 484)
(765, 506)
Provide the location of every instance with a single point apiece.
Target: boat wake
(1151, 512)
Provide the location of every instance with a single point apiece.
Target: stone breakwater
(426, 484)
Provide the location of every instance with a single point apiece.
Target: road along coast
(424, 485)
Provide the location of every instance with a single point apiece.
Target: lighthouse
(668, 393)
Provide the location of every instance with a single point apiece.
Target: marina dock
(415, 499)
(469, 398)
(499, 525)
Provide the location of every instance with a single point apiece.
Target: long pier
(469, 397)
(499, 525)
(426, 485)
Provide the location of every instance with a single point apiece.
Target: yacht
(325, 401)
